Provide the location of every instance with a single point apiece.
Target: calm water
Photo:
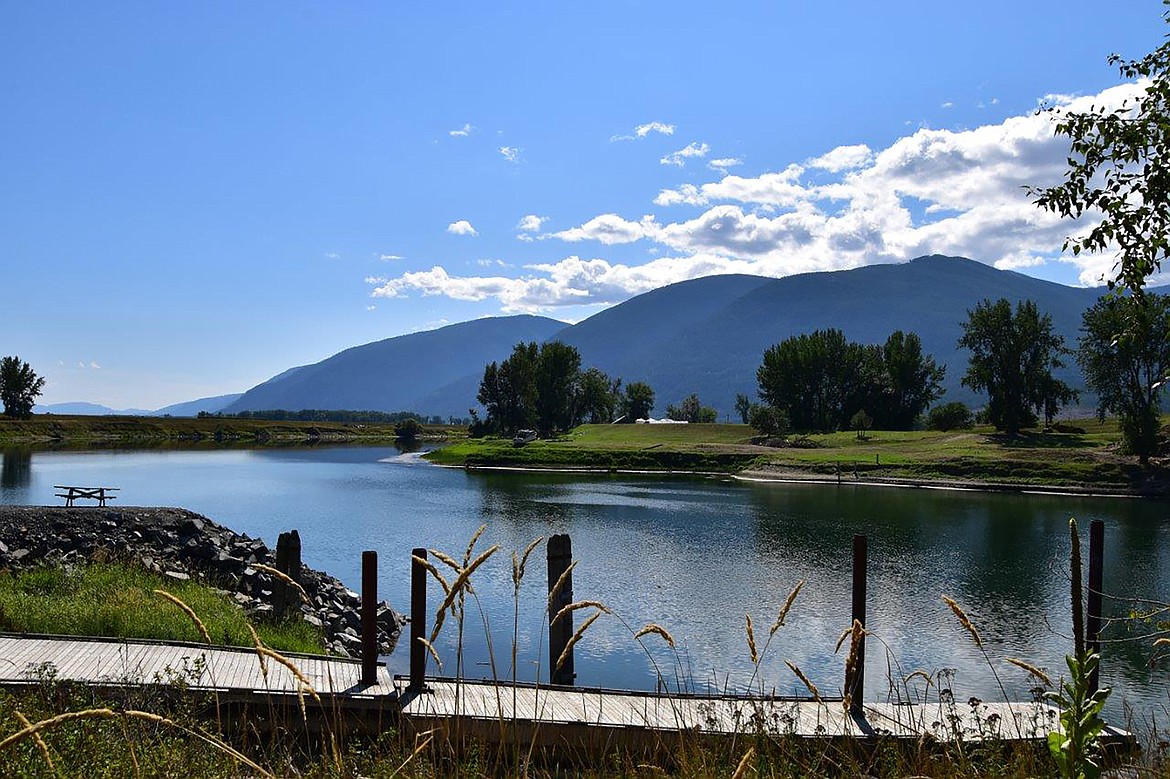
(694, 555)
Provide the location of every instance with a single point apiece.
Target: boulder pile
(181, 544)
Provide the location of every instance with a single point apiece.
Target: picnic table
(70, 494)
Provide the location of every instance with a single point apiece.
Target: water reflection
(15, 468)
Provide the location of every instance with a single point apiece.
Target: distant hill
(88, 410)
(393, 374)
(706, 335)
(192, 408)
(717, 355)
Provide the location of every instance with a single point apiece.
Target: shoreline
(798, 476)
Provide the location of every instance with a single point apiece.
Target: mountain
(393, 374)
(192, 408)
(705, 336)
(82, 409)
(717, 355)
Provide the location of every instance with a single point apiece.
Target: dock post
(285, 602)
(369, 617)
(1093, 610)
(418, 620)
(855, 683)
(560, 557)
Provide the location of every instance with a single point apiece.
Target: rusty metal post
(560, 557)
(855, 683)
(1093, 610)
(418, 620)
(369, 617)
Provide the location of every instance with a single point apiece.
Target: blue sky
(197, 196)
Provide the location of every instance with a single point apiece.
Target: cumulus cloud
(958, 192)
(723, 163)
(511, 153)
(531, 223)
(462, 227)
(642, 130)
(462, 132)
(679, 158)
(610, 229)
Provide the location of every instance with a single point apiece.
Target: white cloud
(723, 163)
(511, 153)
(610, 229)
(531, 223)
(948, 104)
(679, 158)
(463, 132)
(642, 130)
(843, 158)
(492, 263)
(332, 256)
(371, 308)
(462, 227)
(958, 192)
(390, 257)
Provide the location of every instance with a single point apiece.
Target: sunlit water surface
(693, 555)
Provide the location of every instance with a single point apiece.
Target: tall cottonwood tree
(1124, 353)
(1012, 358)
(20, 386)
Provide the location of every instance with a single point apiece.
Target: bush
(949, 416)
(770, 421)
(407, 429)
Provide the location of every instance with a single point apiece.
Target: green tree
(598, 397)
(639, 400)
(1012, 359)
(508, 391)
(810, 376)
(407, 429)
(912, 379)
(949, 416)
(743, 407)
(1119, 171)
(769, 421)
(558, 368)
(1124, 353)
(19, 386)
(691, 409)
(861, 422)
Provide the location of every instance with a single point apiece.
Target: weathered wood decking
(115, 662)
(557, 716)
(589, 715)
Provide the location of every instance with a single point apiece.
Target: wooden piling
(418, 620)
(285, 600)
(369, 617)
(560, 557)
(855, 683)
(1093, 607)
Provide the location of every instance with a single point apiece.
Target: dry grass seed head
(576, 606)
(816, 694)
(1161, 641)
(783, 615)
(555, 592)
(518, 565)
(657, 630)
(431, 648)
(446, 560)
(741, 769)
(433, 571)
(568, 650)
(258, 644)
(471, 544)
(964, 620)
(41, 745)
(284, 577)
(293, 669)
(461, 582)
(189, 612)
(751, 639)
(1033, 670)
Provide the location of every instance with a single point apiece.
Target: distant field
(82, 431)
(1084, 460)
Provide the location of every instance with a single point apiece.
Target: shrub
(949, 416)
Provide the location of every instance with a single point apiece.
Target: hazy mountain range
(705, 335)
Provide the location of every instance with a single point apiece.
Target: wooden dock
(562, 716)
(494, 712)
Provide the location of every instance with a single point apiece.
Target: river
(694, 555)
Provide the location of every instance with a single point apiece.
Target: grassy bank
(1086, 459)
(115, 600)
(94, 431)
